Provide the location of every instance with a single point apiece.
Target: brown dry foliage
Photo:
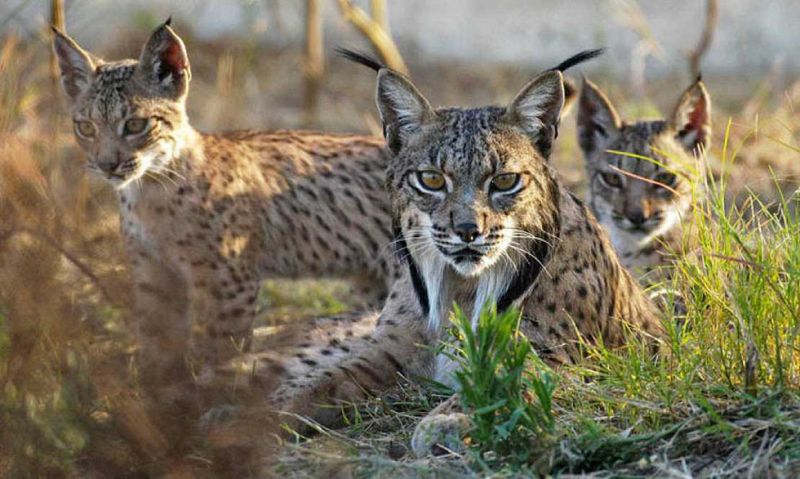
(68, 385)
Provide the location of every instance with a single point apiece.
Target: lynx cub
(205, 217)
(643, 203)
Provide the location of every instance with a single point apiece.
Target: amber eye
(665, 179)
(135, 126)
(611, 179)
(431, 180)
(85, 129)
(505, 182)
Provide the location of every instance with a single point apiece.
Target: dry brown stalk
(372, 29)
(696, 55)
(314, 59)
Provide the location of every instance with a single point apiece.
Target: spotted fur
(532, 245)
(205, 217)
(642, 175)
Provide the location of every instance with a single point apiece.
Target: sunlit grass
(726, 378)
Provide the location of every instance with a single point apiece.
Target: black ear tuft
(361, 58)
(169, 21)
(578, 58)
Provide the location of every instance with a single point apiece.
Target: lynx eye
(611, 179)
(431, 180)
(666, 179)
(85, 128)
(134, 126)
(504, 182)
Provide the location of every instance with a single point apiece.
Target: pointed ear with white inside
(164, 64)
(692, 117)
(537, 108)
(77, 69)
(402, 107)
(598, 122)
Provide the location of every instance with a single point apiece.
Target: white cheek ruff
(491, 286)
(499, 272)
(430, 264)
(432, 268)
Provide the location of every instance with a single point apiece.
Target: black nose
(467, 232)
(637, 218)
(108, 166)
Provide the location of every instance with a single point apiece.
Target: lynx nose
(108, 166)
(637, 218)
(467, 232)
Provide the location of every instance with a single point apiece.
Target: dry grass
(70, 405)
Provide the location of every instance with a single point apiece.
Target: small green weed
(505, 388)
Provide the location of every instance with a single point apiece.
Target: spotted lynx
(643, 204)
(206, 216)
(479, 216)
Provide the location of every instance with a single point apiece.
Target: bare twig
(380, 13)
(57, 20)
(642, 178)
(696, 55)
(744, 262)
(630, 15)
(314, 59)
(376, 34)
(82, 267)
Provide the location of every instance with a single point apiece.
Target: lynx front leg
(223, 307)
(346, 360)
(160, 312)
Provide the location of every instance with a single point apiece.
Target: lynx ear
(164, 64)
(692, 117)
(598, 122)
(402, 107)
(77, 69)
(570, 95)
(537, 108)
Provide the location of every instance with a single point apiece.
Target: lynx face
(640, 197)
(472, 193)
(467, 183)
(128, 116)
(469, 187)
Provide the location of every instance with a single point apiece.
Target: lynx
(205, 217)
(479, 217)
(641, 174)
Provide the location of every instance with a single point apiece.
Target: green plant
(505, 388)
